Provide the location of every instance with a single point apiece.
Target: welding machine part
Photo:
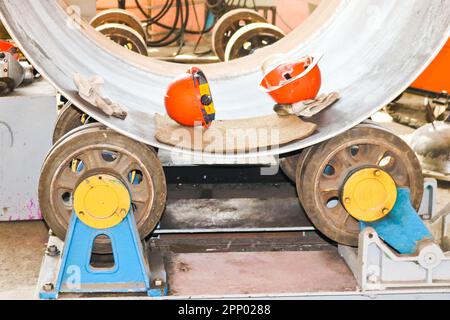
(189, 100)
(8, 46)
(12, 73)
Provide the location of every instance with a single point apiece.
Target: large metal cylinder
(373, 50)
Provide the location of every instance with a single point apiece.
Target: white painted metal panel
(27, 118)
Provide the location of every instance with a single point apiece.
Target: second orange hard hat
(289, 83)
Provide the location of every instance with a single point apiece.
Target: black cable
(204, 31)
(121, 4)
(183, 25)
(164, 40)
(166, 7)
(186, 30)
(178, 29)
(195, 32)
(179, 32)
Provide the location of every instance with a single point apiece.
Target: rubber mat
(229, 136)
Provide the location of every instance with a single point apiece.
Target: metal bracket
(377, 266)
(428, 209)
(67, 267)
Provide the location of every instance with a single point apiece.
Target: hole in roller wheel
(332, 203)
(109, 156)
(354, 151)
(135, 177)
(387, 162)
(67, 198)
(329, 171)
(76, 166)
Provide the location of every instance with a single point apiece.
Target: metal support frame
(73, 271)
(380, 272)
(427, 209)
(377, 266)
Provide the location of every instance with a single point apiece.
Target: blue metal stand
(129, 274)
(402, 229)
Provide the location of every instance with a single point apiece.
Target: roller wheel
(290, 163)
(95, 149)
(68, 119)
(119, 16)
(323, 169)
(125, 37)
(250, 38)
(227, 26)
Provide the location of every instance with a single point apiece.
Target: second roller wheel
(118, 16)
(69, 118)
(323, 170)
(124, 36)
(250, 38)
(229, 24)
(289, 163)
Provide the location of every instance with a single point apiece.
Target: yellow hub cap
(369, 194)
(101, 202)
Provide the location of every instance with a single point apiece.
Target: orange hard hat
(189, 101)
(289, 83)
(6, 46)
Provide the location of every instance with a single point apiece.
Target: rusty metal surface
(253, 273)
(373, 50)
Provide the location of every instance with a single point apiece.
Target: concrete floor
(22, 244)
